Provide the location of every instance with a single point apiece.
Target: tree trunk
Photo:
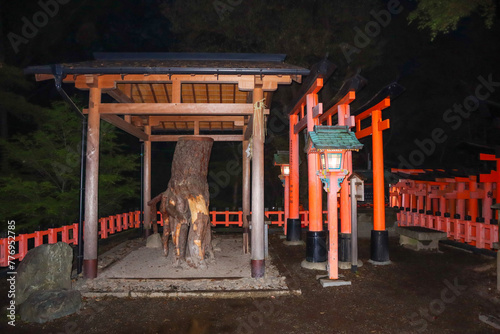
(184, 205)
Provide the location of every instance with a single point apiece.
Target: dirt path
(420, 292)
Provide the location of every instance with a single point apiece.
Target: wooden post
(473, 208)
(333, 259)
(460, 201)
(487, 202)
(258, 262)
(147, 182)
(316, 238)
(91, 186)
(246, 195)
(287, 199)
(293, 223)
(379, 236)
(315, 187)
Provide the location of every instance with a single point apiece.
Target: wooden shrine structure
(222, 96)
(160, 97)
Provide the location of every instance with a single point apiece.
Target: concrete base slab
(294, 243)
(419, 238)
(376, 263)
(418, 245)
(193, 294)
(490, 320)
(347, 265)
(313, 265)
(146, 272)
(333, 282)
(326, 276)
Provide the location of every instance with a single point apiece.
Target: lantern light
(285, 170)
(331, 161)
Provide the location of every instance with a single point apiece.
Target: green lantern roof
(334, 138)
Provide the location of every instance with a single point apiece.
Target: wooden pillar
(246, 195)
(379, 236)
(287, 200)
(91, 186)
(333, 253)
(316, 247)
(292, 212)
(460, 201)
(442, 205)
(258, 253)
(294, 170)
(487, 202)
(378, 173)
(315, 187)
(147, 182)
(473, 209)
(345, 207)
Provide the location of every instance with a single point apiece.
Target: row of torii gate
(159, 95)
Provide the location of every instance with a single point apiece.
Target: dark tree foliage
(40, 183)
(441, 17)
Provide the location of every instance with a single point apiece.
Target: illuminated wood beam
(301, 125)
(238, 120)
(315, 87)
(244, 82)
(249, 129)
(209, 109)
(167, 138)
(119, 96)
(348, 98)
(123, 125)
(379, 106)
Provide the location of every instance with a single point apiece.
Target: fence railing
(117, 223)
(477, 234)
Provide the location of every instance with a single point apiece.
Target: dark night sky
(437, 75)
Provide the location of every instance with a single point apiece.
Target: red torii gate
(306, 113)
(488, 180)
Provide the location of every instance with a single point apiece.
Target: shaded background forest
(436, 50)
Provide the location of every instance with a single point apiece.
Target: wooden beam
(317, 110)
(248, 131)
(176, 92)
(379, 106)
(164, 138)
(155, 120)
(119, 95)
(244, 82)
(348, 98)
(196, 127)
(125, 126)
(313, 89)
(301, 125)
(185, 109)
(43, 77)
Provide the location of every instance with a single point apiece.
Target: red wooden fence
(117, 223)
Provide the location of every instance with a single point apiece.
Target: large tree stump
(184, 205)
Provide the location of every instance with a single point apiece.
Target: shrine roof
(177, 63)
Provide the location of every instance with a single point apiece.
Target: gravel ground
(443, 292)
